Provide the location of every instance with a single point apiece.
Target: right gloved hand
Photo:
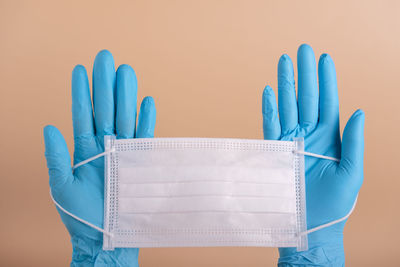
(331, 187)
(82, 192)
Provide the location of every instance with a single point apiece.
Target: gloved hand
(331, 187)
(82, 192)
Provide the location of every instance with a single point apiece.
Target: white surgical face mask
(190, 192)
(204, 192)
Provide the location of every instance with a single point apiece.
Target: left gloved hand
(331, 188)
(82, 192)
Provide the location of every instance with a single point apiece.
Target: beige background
(205, 63)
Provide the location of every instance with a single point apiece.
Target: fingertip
(48, 128)
(305, 48)
(104, 54)
(82, 113)
(305, 56)
(147, 112)
(104, 83)
(148, 101)
(148, 106)
(328, 92)
(54, 140)
(79, 78)
(307, 88)
(357, 119)
(284, 58)
(125, 68)
(288, 113)
(285, 70)
(359, 115)
(46, 135)
(265, 95)
(50, 132)
(267, 90)
(268, 101)
(326, 65)
(359, 112)
(126, 77)
(268, 93)
(353, 143)
(126, 100)
(79, 69)
(325, 58)
(105, 58)
(304, 45)
(271, 126)
(57, 156)
(147, 118)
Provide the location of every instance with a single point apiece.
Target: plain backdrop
(206, 64)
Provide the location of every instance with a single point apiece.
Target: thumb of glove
(353, 145)
(58, 159)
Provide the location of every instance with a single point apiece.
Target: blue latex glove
(331, 188)
(82, 192)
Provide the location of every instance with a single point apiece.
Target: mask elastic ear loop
(73, 215)
(113, 150)
(315, 155)
(79, 219)
(92, 158)
(332, 222)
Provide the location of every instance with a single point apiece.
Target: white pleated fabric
(191, 192)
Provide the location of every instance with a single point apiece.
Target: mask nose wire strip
(113, 150)
(79, 219)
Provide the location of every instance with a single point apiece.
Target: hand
(331, 187)
(82, 191)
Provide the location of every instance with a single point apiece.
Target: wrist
(325, 248)
(89, 252)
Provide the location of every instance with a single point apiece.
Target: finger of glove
(57, 157)
(353, 144)
(328, 93)
(147, 118)
(103, 93)
(271, 125)
(82, 112)
(126, 102)
(308, 87)
(288, 114)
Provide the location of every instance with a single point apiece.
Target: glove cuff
(88, 252)
(331, 254)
